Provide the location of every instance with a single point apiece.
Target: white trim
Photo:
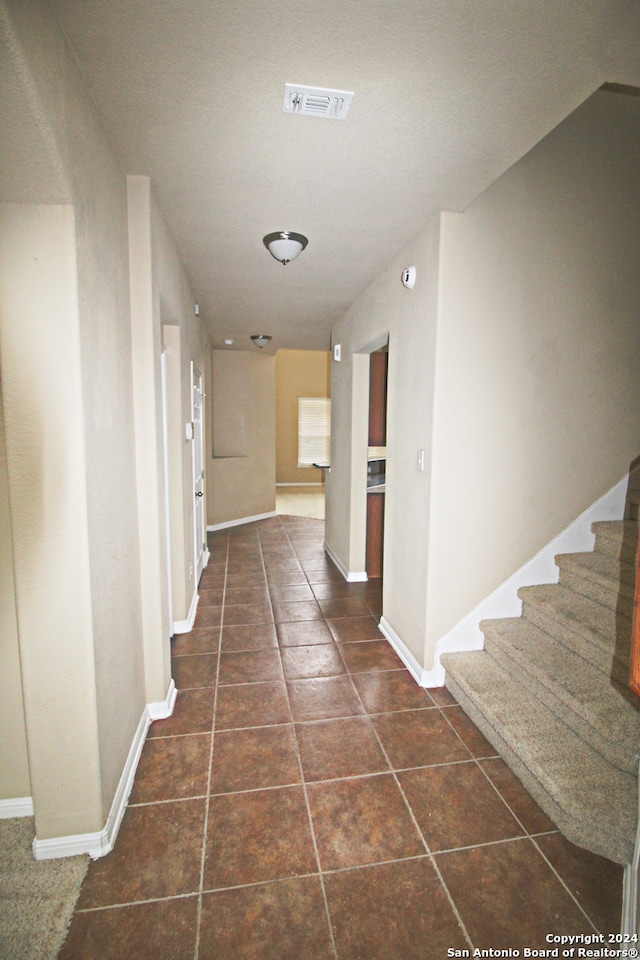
(504, 601)
(351, 576)
(16, 807)
(236, 523)
(161, 709)
(316, 483)
(403, 651)
(185, 626)
(100, 843)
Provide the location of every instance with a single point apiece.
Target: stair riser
(616, 549)
(573, 714)
(579, 637)
(611, 595)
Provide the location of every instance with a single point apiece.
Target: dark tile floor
(308, 800)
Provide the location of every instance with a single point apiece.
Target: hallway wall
(72, 371)
(512, 363)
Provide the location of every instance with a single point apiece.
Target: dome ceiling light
(261, 339)
(283, 245)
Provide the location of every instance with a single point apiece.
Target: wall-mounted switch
(337, 352)
(420, 463)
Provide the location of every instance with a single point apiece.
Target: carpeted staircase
(550, 693)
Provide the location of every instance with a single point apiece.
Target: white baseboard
(504, 601)
(630, 891)
(102, 842)
(351, 576)
(16, 807)
(185, 626)
(315, 483)
(237, 523)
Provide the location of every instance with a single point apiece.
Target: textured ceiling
(448, 95)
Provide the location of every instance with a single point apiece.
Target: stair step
(601, 578)
(604, 715)
(617, 539)
(596, 632)
(593, 803)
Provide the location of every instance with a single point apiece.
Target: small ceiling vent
(316, 101)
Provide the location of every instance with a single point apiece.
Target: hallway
(308, 800)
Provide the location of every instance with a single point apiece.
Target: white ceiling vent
(316, 101)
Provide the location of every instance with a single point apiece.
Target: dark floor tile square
(285, 571)
(252, 705)
(530, 815)
(164, 930)
(271, 921)
(595, 882)
(290, 592)
(359, 821)
(296, 610)
(353, 629)
(317, 660)
(240, 595)
(372, 655)
(250, 666)
(303, 633)
(199, 670)
(192, 713)
(256, 836)
(254, 636)
(392, 911)
(210, 596)
(340, 607)
(332, 589)
(323, 698)
(390, 690)
(242, 613)
(205, 640)
(207, 617)
(442, 697)
(250, 578)
(339, 748)
(157, 854)
(254, 758)
(440, 798)
(514, 899)
(172, 768)
(467, 731)
(418, 738)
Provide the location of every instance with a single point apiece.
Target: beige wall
(513, 364)
(81, 387)
(14, 758)
(537, 409)
(242, 474)
(299, 373)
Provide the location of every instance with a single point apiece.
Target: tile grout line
(304, 785)
(415, 823)
(211, 747)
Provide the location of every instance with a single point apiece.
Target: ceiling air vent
(316, 101)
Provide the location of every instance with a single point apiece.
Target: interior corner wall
(241, 446)
(47, 476)
(187, 342)
(88, 702)
(299, 373)
(537, 398)
(408, 317)
(14, 757)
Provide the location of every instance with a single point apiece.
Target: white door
(199, 520)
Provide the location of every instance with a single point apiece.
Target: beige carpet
(36, 897)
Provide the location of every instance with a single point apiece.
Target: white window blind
(314, 430)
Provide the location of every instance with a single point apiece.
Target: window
(314, 430)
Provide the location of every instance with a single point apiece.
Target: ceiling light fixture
(285, 245)
(261, 339)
